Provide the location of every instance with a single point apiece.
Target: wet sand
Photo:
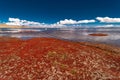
(54, 59)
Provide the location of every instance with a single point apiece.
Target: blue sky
(53, 11)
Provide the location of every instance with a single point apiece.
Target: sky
(60, 12)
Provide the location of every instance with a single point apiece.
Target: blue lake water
(78, 34)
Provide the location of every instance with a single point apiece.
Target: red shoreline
(49, 58)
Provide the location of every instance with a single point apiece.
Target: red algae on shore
(54, 59)
(98, 34)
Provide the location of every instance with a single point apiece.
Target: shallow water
(79, 34)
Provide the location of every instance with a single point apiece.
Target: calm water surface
(79, 34)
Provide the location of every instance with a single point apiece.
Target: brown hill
(10, 26)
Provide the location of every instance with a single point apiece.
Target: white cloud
(86, 21)
(108, 19)
(61, 23)
(17, 21)
(66, 23)
(14, 19)
(70, 21)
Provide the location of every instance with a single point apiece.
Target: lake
(74, 34)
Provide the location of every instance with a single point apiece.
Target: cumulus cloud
(61, 23)
(18, 22)
(14, 19)
(66, 23)
(86, 21)
(70, 21)
(108, 19)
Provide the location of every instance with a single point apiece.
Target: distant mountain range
(11, 26)
(63, 27)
